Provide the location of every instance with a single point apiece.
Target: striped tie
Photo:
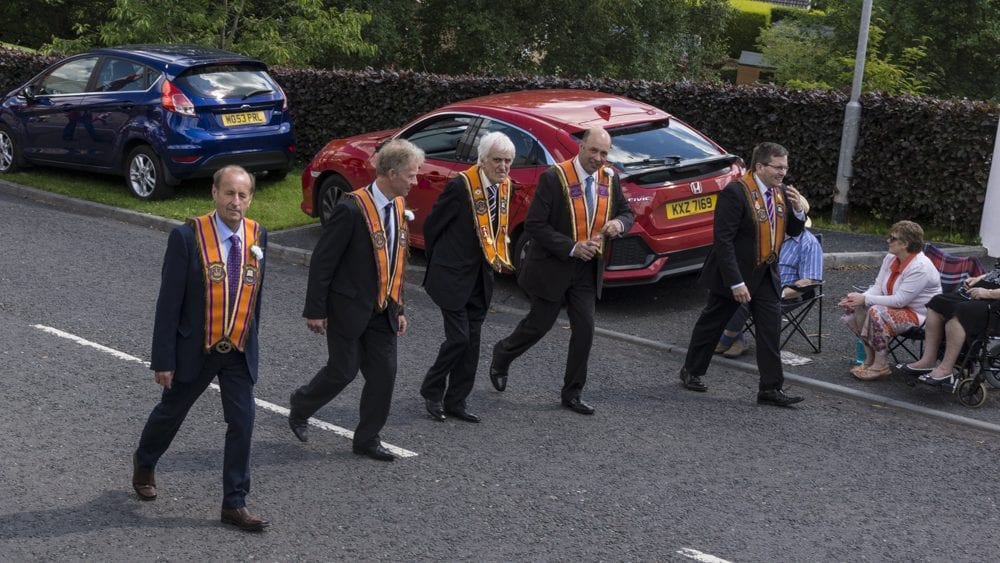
(491, 193)
(588, 192)
(390, 232)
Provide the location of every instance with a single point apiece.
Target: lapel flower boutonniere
(409, 215)
(257, 252)
(609, 171)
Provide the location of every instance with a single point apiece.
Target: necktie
(770, 205)
(390, 232)
(588, 193)
(233, 268)
(491, 194)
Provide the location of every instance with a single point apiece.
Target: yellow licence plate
(246, 118)
(692, 206)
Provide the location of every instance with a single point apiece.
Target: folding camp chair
(794, 317)
(954, 271)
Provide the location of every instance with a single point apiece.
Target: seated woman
(962, 317)
(896, 303)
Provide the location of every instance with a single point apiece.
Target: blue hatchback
(157, 114)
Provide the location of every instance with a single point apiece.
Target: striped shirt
(801, 257)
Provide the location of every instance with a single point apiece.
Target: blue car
(157, 114)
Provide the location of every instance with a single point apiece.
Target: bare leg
(955, 337)
(933, 329)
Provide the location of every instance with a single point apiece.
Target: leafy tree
(393, 28)
(293, 32)
(961, 39)
(820, 53)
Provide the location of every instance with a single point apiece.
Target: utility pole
(852, 120)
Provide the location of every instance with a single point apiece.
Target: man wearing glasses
(751, 222)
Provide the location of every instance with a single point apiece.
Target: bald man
(578, 205)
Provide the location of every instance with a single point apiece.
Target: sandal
(870, 374)
(859, 369)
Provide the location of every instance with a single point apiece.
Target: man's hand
(586, 250)
(403, 324)
(741, 294)
(163, 378)
(316, 325)
(612, 229)
(793, 198)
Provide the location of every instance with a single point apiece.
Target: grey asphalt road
(657, 473)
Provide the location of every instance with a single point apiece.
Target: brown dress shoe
(243, 519)
(143, 480)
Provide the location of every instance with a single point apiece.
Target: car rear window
(659, 142)
(226, 81)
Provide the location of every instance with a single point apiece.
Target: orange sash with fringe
(769, 235)
(584, 228)
(390, 276)
(222, 323)
(494, 244)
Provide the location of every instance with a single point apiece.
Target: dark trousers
(453, 374)
(238, 409)
(765, 307)
(580, 298)
(374, 353)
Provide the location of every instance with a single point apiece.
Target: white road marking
(699, 556)
(343, 432)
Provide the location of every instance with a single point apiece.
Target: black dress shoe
(777, 398)
(299, 427)
(905, 369)
(435, 409)
(577, 405)
(692, 382)
(498, 377)
(375, 452)
(462, 414)
(243, 519)
(143, 480)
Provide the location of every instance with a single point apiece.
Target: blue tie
(233, 268)
(588, 193)
(770, 205)
(390, 239)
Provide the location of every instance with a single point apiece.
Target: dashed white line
(699, 556)
(339, 431)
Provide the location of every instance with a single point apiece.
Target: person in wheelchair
(896, 302)
(960, 317)
(800, 265)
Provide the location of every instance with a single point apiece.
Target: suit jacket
(547, 269)
(343, 280)
(454, 253)
(179, 328)
(733, 255)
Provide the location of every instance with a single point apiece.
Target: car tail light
(174, 100)
(284, 98)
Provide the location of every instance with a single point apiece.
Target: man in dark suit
(751, 221)
(206, 326)
(465, 238)
(577, 205)
(355, 297)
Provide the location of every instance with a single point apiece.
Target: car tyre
(10, 159)
(331, 190)
(276, 175)
(145, 175)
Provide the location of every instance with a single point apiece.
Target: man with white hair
(466, 242)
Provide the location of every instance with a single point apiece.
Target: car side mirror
(29, 92)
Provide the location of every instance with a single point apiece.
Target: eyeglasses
(778, 168)
(892, 238)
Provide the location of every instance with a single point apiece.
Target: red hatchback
(670, 172)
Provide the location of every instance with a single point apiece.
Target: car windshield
(667, 142)
(226, 81)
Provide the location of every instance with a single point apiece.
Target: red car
(670, 172)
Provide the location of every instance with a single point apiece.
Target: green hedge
(918, 158)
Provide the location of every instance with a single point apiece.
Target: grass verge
(275, 203)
